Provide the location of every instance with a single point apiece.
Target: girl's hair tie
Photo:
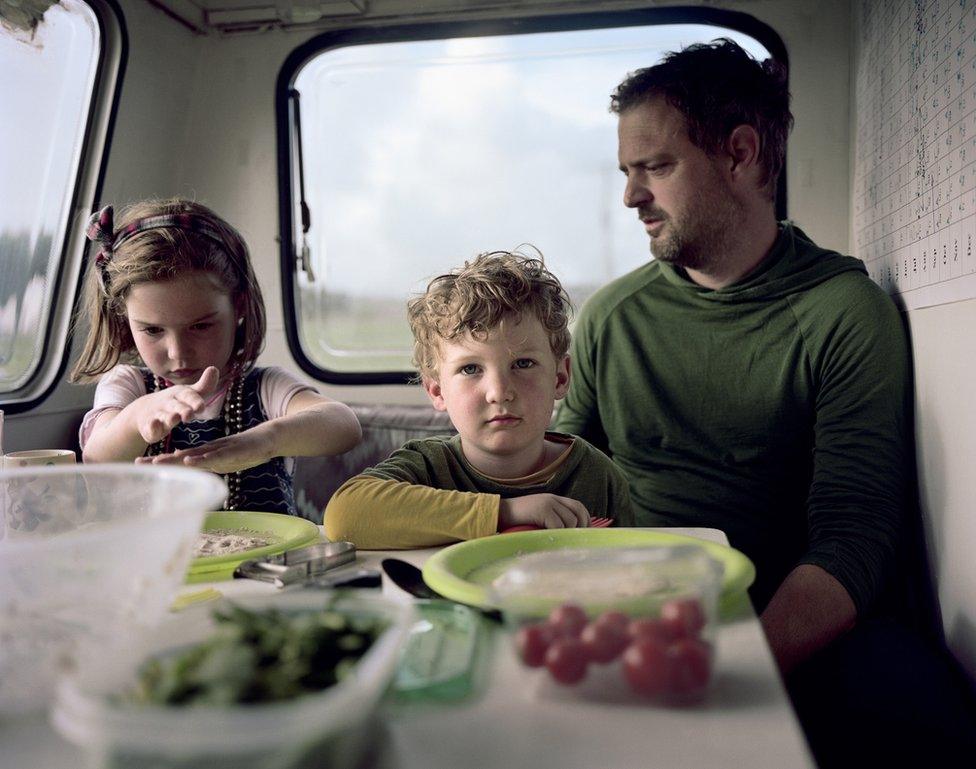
(101, 230)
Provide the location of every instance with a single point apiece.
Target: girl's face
(183, 325)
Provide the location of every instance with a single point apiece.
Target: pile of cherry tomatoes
(662, 657)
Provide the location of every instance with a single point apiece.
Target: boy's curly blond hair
(477, 297)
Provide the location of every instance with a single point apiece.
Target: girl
(172, 286)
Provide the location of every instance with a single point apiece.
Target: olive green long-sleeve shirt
(427, 494)
(774, 409)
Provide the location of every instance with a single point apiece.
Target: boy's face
(499, 393)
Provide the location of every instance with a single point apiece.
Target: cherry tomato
(532, 641)
(615, 619)
(566, 660)
(689, 666)
(604, 641)
(683, 617)
(645, 666)
(567, 620)
(647, 627)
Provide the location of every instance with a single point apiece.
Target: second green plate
(286, 532)
(463, 572)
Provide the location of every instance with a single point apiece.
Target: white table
(518, 717)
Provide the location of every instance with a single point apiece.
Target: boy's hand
(160, 412)
(546, 510)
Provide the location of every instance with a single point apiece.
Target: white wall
(945, 409)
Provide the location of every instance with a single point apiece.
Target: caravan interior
(362, 147)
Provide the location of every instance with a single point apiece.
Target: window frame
(287, 150)
(89, 177)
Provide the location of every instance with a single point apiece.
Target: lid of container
(629, 579)
(438, 659)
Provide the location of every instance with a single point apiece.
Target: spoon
(408, 577)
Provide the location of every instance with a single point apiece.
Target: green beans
(259, 656)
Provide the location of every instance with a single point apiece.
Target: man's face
(499, 392)
(682, 195)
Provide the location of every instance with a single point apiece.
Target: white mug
(38, 457)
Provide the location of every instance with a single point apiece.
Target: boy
(490, 343)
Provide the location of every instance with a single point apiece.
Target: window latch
(305, 260)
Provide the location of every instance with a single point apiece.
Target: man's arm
(857, 493)
(808, 611)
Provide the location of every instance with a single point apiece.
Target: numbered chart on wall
(914, 196)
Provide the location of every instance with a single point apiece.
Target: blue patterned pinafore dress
(266, 487)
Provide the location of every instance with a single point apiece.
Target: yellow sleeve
(379, 514)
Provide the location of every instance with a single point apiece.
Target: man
(746, 379)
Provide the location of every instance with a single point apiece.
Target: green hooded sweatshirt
(775, 409)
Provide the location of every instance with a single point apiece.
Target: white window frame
(89, 171)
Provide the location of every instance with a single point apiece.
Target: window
(418, 154)
(50, 65)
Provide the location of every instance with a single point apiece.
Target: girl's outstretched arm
(121, 435)
(313, 425)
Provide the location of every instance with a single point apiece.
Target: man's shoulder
(822, 275)
(846, 292)
(850, 311)
(618, 292)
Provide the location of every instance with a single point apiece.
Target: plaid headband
(101, 230)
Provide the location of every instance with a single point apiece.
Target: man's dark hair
(718, 86)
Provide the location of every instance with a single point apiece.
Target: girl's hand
(547, 510)
(160, 412)
(224, 455)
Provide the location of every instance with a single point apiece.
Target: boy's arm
(378, 514)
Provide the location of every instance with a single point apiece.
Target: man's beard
(700, 244)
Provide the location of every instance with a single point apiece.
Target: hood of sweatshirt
(794, 264)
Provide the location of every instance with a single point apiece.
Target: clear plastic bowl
(322, 729)
(580, 614)
(88, 555)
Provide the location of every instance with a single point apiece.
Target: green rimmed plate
(463, 572)
(285, 532)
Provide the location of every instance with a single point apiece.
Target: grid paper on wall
(914, 202)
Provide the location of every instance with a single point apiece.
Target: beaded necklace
(233, 413)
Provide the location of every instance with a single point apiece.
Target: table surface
(520, 717)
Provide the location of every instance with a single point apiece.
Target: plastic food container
(88, 554)
(632, 624)
(438, 661)
(321, 729)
